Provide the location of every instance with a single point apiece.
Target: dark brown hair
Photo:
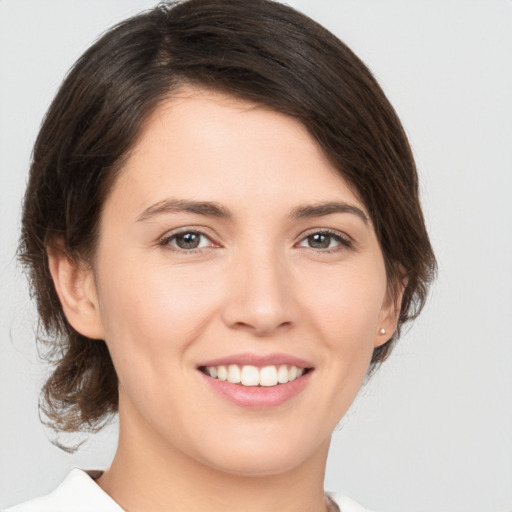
(261, 51)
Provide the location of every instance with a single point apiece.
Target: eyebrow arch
(321, 209)
(208, 208)
(213, 209)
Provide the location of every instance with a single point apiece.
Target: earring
(382, 331)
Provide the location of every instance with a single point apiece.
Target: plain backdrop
(433, 430)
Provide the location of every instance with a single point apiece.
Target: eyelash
(166, 242)
(343, 242)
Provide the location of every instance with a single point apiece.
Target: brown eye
(319, 241)
(188, 240)
(324, 240)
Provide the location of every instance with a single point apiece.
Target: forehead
(206, 145)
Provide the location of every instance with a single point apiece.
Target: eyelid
(164, 240)
(346, 241)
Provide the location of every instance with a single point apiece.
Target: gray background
(433, 430)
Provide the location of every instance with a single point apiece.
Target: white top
(79, 493)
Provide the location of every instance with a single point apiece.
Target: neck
(152, 476)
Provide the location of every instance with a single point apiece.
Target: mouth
(257, 381)
(254, 376)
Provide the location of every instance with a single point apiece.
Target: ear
(76, 290)
(389, 313)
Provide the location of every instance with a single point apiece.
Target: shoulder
(78, 493)
(346, 504)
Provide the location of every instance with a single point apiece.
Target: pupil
(319, 241)
(188, 241)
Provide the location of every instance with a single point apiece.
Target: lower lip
(258, 397)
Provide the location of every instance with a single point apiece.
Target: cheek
(345, 309)
(346, 302)
(149, 314)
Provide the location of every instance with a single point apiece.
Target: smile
(252, 376)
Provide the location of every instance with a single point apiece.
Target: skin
(256, 284)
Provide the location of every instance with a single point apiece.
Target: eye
(187, 241)
(324, 240)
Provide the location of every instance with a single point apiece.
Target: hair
(261, 51)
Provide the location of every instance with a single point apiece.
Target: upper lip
(258, 360)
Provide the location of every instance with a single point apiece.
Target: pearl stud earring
(382, 331)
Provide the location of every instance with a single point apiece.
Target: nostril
(262, 328)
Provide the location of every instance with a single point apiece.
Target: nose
(260, 299)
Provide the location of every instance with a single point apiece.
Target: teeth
(249, 375)
(268, 376)
(222, 373)
(233, 374)
(283, 375)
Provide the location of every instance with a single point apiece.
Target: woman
(223, 234)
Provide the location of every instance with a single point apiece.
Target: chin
(266, 456)
(260, 466)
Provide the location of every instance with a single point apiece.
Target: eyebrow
(322, 209)
(213, 209)
(208, 208)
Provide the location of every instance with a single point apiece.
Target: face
(230, 249)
